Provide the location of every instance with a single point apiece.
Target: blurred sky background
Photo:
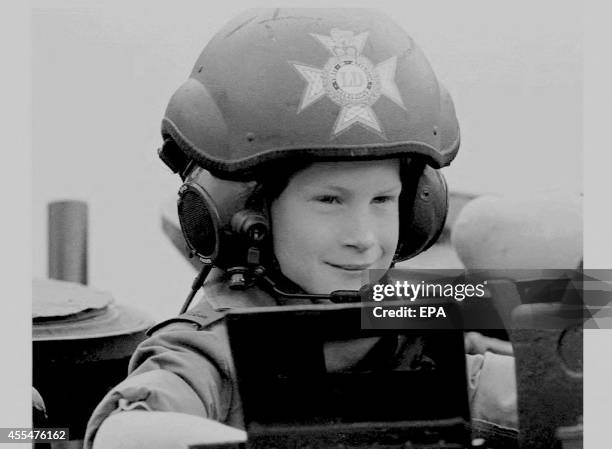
(102, 73)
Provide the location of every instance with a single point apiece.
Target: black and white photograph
(327, 226)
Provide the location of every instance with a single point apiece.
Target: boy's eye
(328, 199)
(384, 199)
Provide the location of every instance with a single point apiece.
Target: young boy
(308, 142)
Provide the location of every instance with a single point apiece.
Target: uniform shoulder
(216, 300)
(200, 317)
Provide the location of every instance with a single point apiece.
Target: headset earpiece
(199, 221)
(422, 224)
(217, 224)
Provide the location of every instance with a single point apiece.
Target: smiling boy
(308, 142)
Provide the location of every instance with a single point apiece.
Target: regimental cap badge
(350, 80)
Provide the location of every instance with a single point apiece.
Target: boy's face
(334, 221)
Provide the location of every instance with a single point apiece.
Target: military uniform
(186, 367)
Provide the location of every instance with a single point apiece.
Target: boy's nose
(359, 232)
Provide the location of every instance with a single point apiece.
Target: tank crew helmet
(277, 89)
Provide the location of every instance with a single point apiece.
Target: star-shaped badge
(350, 80)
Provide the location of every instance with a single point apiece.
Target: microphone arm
(337, 296)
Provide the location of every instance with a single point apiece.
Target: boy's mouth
(351, 267)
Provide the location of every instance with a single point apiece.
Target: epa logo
(432, 312)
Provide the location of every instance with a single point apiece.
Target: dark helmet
(276, 87)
